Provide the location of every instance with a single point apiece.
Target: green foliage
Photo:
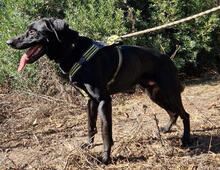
(12, 22)
(194, 36)
(97, 19)
(43, 8)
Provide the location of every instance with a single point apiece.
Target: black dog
(152, 70)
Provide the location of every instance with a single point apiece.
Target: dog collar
(86, 56)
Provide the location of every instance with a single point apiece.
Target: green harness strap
(120, 59)
(86, 56)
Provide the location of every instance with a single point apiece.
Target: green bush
(97, 19)
(194, 37)
(41, 8)
(12, 22)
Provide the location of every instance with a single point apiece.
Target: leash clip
(113, 39)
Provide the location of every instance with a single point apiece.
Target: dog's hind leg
(172, 103)
(172, 121)
(153, 92)
(186, 123)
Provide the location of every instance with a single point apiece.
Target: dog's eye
(32, 32)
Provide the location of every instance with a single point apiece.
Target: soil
(43, 132)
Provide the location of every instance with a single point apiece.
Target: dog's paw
(164, 130)
(105, 159)
(186, 143)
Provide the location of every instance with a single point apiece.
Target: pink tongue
(25, 57)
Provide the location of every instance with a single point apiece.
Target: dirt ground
(43, 132)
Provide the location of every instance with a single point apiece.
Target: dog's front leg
(105, 112)
(103, 99)
(92, 117)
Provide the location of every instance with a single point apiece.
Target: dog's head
(40, 35)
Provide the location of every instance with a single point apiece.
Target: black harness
(89, 54)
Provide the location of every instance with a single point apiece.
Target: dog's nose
(9, 42)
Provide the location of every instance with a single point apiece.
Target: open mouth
(33, 54)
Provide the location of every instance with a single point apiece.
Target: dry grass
(39, 131)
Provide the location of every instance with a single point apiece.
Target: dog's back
(141, 65)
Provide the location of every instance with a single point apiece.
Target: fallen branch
(159, 135)
(174, 54)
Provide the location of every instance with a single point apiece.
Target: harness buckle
(81, 60)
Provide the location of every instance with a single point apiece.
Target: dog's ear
(56, 26)
(60, 25)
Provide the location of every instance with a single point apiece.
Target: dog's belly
(125, 81)
(116, 89)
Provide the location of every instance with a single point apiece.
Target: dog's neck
(73, 48)
(81, 46)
